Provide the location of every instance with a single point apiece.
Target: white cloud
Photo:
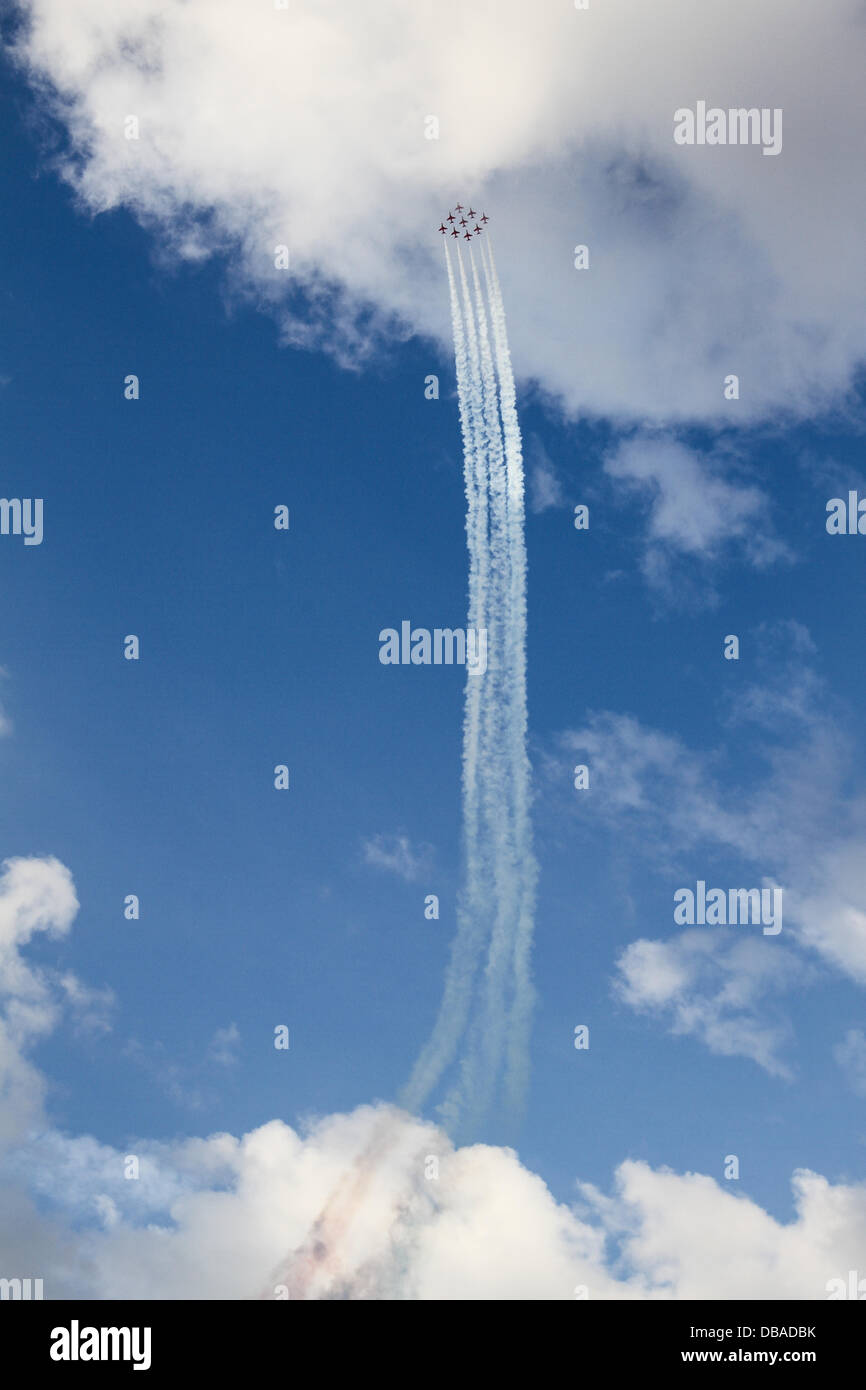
(226, 1217)
(91, 1008)
(680, 808)
(220, 1218)
(715, 988)
(397, 855)
(832, 916)
(699, 1240)
(36, 895)
(693, 510)
(651, 782)
(306, 127)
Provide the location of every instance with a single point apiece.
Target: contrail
(496, 1030)
(495, 908)
(472, 910)
(473, 1090)
(517, 1078)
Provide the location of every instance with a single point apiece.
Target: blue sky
(259, 647)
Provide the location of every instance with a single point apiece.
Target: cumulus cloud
(36, 895)
(220, 1217)
(692, 1236)
(258, 127)
(397, 855)
(226, 1217)
(305, 127)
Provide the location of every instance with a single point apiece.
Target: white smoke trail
(487, 1039)
(498, 903)
(468, 944)
(518, 1037)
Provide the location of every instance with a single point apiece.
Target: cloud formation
(714, 988)
(397, 855)
(214, 1218)
(680, 808)
(217, 1217)
(306, 127)
(36, 895)
(693, 511)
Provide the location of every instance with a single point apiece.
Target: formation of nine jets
(469, 233)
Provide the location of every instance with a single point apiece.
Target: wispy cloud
(715, 989)
(675, 805)
(397, 855)
(224, 1045)
(91, 1008)
(482, 1227)
(545, 484)
(188, 1081)
(693, 511)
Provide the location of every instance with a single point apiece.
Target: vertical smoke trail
(497, 904)
(517, 1076)
(468, 943)
(486, 1043)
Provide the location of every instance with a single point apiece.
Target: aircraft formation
(452, 223)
